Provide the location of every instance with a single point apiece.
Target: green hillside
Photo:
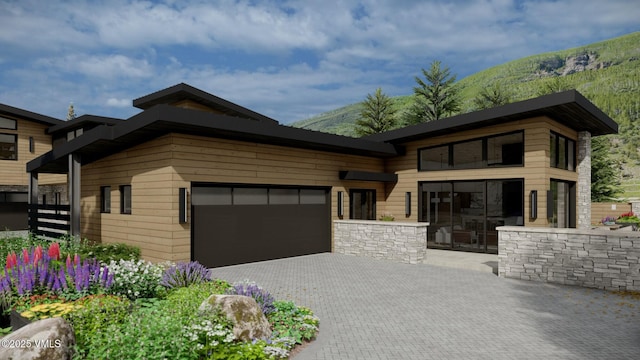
(607, 73)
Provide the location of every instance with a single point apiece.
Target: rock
(48, 339)
(244, 312)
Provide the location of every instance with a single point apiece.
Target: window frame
(451, 165)
(15, 147)
(367, 195)
(105, 199)
(569, 152)
(125, 200)
(15, 123)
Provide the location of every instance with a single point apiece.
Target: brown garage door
(241, 224)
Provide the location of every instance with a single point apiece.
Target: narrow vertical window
(105, 199)
(32, 145)
(125, 199)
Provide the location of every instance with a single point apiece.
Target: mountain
(606, 72)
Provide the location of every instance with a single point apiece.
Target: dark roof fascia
(81, 120)
(368, 176)
(162, 119)
(184, 91)
(101, 132)
(195, 122)
(28, 115)
(569, 108)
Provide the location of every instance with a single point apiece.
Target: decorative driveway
(377, 309)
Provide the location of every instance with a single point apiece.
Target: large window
(562, 152)
(8, 147)
(464, 214)
(105, 199)
(9, 124)
(125, 199)
(363, 204)
(492, 151)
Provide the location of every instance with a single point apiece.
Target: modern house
(194, 176)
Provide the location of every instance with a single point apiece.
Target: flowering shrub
(41, 272)
(251, 289)
(135, 279)
(629, 217)
(608, 219)
(184, 274)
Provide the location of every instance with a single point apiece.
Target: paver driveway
(376, 309)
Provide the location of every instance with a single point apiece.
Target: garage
(13, 211)
(236, 224)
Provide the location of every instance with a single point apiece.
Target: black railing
(50, 220)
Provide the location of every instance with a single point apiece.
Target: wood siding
(601, 210)
(536, 171)
(14, 172)
(157, 169)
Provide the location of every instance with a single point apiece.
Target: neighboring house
(23, 137)
(196, 177)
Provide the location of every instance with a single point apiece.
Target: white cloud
(99, 66)
(119, 102)
(287, 59)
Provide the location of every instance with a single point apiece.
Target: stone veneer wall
(583, 192)
(403, 242)
(602, 259)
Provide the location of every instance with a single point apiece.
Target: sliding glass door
(463, 215)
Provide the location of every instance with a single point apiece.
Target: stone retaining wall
(403, 242)
(602, 259)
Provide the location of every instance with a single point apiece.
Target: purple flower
(260, 295)
(184, 274)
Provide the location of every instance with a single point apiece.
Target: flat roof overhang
(367, 176)
(159, 120)
(569, 108)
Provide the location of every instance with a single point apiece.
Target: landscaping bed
(121, 307)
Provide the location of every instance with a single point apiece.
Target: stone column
(583, 191)
(635, 207)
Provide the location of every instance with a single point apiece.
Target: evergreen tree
(71, 112)
(605, 178)
(491, 96)
(554, 85)
(377, 114)
(435, 97)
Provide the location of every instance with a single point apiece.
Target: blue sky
(286, 59)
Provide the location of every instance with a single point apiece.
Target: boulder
(244, 312)
(48, 339)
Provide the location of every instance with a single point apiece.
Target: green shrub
(295, 322)
(95, 314)
(105, 253)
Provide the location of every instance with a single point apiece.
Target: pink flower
(54, 251)
(37, 254)
(25, 256)
(68, 261)
(76, 259)
(9, 263)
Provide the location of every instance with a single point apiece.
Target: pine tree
(71, 113)
(377, 114)
(491, 96)
(605, 178)
(435, 97)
